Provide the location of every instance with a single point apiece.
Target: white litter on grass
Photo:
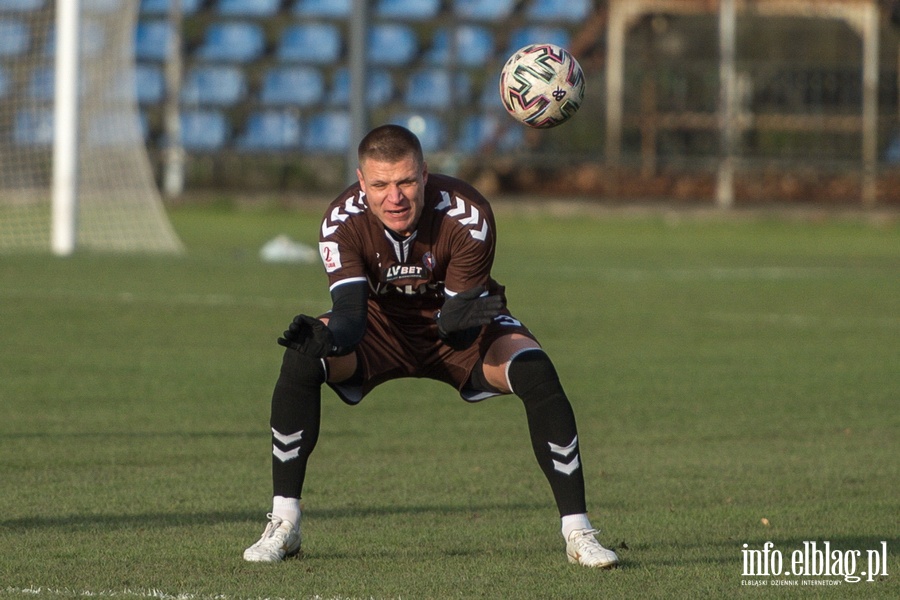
(43, 592)
(283, 249)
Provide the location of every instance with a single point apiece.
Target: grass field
(737, 381)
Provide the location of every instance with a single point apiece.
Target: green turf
(736, 382)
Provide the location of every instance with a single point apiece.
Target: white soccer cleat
(280, 540)
(584, 549)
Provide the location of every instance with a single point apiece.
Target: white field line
(48, 592)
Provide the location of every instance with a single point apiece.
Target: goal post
(74, 168)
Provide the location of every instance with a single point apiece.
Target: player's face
(395, 191)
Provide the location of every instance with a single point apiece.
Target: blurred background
(731, 103)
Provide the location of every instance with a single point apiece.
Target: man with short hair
(408, 255)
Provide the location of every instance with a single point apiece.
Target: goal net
(119, 207)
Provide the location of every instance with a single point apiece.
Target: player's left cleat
(280, 540)
(584, 549)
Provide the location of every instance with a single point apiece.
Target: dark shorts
(388, 352)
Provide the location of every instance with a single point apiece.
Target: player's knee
(301, 369)
(532, 376)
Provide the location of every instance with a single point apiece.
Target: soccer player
(408, 255)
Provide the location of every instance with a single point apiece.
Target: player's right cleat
(280, 540)
(583, 548)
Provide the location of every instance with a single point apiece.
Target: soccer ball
(541, 85)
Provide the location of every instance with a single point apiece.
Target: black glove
(466, 310)
(308, 335)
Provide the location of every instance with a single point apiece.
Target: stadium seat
(204, 130)
(407, 10)
(41, 84)
(436, 89)
(271, 131)
(328, 133)
(144, 82)
(315, 43)
(294, 86)
(14, 38)
(391, 44)
(21, 5)
(537, 34)
(379, 88)
(485, 131)
(34, 127)
(248, 8)
(151, 40)
(214, 86)
(428, 127)
(474, 47)
(323, 9)
(483, 10)
(570, 11)
(235, 41)
(161, 7)
(121, 128)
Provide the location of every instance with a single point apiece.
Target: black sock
(296, 415)
(551, 423)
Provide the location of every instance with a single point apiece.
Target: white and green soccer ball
(542, 85)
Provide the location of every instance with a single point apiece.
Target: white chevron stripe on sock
(567, 468)
(287, 440)
(564, 451)
(289, 455)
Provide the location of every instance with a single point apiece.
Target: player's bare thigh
(498, 356)
(340, 368)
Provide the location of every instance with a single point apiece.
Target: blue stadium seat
(271, 131)
(537, 34)
(21, 5)
(484, 10)
(379, 87)
(120, 128)
(474, 47)
(151, 40)
(161, 7)
(294, 86)
(34, 127)
(324, 9)
(570, 11)
(391, 44)
(214, 86)
(407, 10)
(204, 130)
(235, 41)
(41, 84)
(150, 84)
(314, 43)
(486, 131)
(437, 89)
(144, 82)
(427, 127)
(248, 8)
(328, 133)
(14, 38)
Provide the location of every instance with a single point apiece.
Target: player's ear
(359, 177)
(424, 172)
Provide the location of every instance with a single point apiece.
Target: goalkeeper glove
(308, 335)
(466, 310)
